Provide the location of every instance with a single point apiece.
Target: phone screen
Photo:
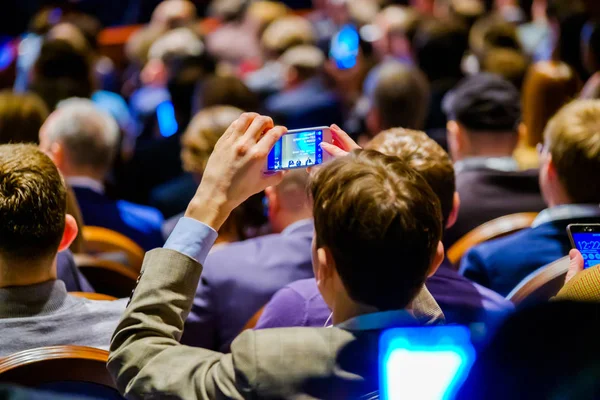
(344, 47)
(588, 244)
(296, 150)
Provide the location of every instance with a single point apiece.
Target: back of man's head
(425, 156)
(285, 33)
(304, 61)
(400, 97)
(572, 138)
(382, 224)
(32, 204)
(88, 136)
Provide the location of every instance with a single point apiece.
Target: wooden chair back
(254, 320)
(93, 296)
(60, 365)
(490, 230)
(542, 284)
(107, 277)
(102, 240)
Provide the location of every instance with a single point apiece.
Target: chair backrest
(254, 320)
(70, 366)
(102, 240)
(107, 277)
(93, 296)
(542, 284)
(490, 230)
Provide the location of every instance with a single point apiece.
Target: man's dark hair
(32, 203)
(439, 49)
(227, 91)
(382, 223)
(60, 72)
(401, 96)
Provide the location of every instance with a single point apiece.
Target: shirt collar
(39, 299)
(565, 212)
(296, 226)
(379, 321)
(86, 183)
(505, 164)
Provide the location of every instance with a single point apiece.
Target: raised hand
(235, 169)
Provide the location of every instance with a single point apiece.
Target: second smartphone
(586, 239)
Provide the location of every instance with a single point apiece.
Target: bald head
(289, 202)
(171, 14)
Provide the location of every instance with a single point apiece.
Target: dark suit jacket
(68, 273)
(254, 270)
(503, 263)
(486, 194)
(142, 224)
(147, 361)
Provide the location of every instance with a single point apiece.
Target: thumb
(576, 264)
(333, 150)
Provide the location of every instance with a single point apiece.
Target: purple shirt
(462, 301)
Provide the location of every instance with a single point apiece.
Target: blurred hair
(548, 86)
(263, 13)
(32, 204)
(138, 45)
(21, 117)
(439, 49)
(89, 26)
(90, 136)
(362, 12)
(401, 96)
(305, 59)
(508, 63)
(180, 42)
(228, 10)
(45, 19)
(490, 32)
(71, 34)
(425, 156)
(382, 223)
(573, 139)
(287, 32)
(401, 20)
(227, 91)
(61, 71)
(203, 133)
(171, 14)
(466, 11)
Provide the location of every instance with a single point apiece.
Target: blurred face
(193, 155)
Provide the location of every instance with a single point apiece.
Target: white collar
(565, 212)
(505, 164)
(86, 182)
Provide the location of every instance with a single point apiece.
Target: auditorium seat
(107, 277)
(541, 285)
(490, 230)
(101, 240)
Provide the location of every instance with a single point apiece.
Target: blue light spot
(426, 363)
(167, 124)
(345, 47)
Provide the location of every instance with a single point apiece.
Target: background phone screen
(296, 150)
(589, 246)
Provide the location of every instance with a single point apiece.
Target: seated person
(305, 100)
(82, 141)
(254, 269)
(569, 162)
(385, 211)
(35, 308)
(484, 112)
(300, 304)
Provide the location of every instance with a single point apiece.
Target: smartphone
(586, 239)
(345, 45)
(299, 148)
(424, 362)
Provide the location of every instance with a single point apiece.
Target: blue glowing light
(345, 47)
(425, 363)
(167, 124)
(7, 54)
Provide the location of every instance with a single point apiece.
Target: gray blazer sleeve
(146, 359)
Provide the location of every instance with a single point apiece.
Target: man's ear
(326, 265)
(57, 154)
(69, 234)
(272, 199)
(437, 259)
(454, 212)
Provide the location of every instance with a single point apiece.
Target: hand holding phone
(586, 239)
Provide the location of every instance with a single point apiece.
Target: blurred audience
(484, 113)
(568, 157)
(83, 141)
(305, 100)
(35, 308)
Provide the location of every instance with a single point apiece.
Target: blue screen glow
(344, 47)
(167, 124)
(425, 363)
(589, 246)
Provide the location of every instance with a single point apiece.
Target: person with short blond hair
(35, 308)
(570, 161)
(21, 117)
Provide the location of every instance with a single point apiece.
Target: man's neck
(345, 309)
(37, 272)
